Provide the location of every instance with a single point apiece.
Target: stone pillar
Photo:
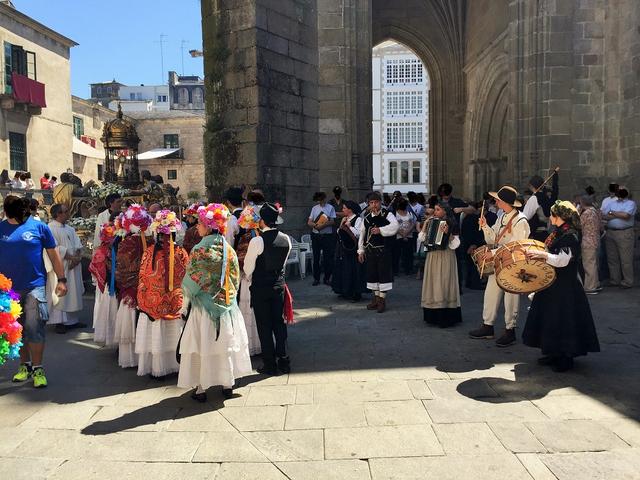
(344, 91)
(261, 69)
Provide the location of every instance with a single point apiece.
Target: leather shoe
(200, 397)
(374, 303)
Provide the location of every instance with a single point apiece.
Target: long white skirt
(249, 317)
(156, 344)
(105, 310)
(125, 336)
(206, 361)
(58, 317)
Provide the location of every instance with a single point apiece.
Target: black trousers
(268, 307)
(326, 244)
(403, 255)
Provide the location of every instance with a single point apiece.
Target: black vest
(241, 231)
(347, 243)
(269, 271)
(370, 221)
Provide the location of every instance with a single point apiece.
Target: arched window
(183, 97)
(198, 98)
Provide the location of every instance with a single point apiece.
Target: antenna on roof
(182, 44)
(162, 42)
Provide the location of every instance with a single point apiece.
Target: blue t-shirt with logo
(21, 253)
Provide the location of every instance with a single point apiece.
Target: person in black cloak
(560, 321)
(348, 274)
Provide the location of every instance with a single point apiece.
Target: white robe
(68, 242)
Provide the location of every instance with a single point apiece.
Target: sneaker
(284, 365)
(24, 374)
(39, 379)
(507, 338)
(485, 331)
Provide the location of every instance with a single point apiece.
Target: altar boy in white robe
(66, 310)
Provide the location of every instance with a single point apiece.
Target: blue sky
(132, 56)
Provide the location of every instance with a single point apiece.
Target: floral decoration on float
(10, 329)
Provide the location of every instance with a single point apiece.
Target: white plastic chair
(304, 250)
(294, 258)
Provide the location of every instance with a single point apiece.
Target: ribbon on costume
(171, 262)
(112, 279)
(224, 279)
(144, 242)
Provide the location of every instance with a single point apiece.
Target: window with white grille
(402, 136)
(408, 104)
(404, 172)
(401, 71)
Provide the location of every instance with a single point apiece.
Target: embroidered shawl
(100, 264)
(128, 267)
(191, 238)
(154, 297)
(213, 276)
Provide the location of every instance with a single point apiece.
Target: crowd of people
(363, 247)
(200, 295)
(23, 181)
(197, 296)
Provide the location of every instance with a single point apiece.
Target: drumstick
(481, 216)
(555, 170)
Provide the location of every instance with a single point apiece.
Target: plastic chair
(294, 258)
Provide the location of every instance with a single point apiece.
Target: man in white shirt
(65, 313)
(233, 201)
(537, 209)
(113, 202)
(511, 225)
(321, 220)
(620, 238)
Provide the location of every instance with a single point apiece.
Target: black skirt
(348, 277)
(442, 317)
(559, 320)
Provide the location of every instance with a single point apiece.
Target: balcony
(26, 92)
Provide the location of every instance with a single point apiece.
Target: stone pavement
(371, 397)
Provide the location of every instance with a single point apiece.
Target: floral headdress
(10, 329)
(108, 233)
(166, 222)
(214, 216)
(249, 218)
(118, 224)
(193, 209)
(136, 219)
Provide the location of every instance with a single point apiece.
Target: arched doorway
(400, 119)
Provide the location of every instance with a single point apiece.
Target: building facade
(400, 120)
(105, 92)
(143, 97)
(171, 145)
(36, 128)
(186, 92)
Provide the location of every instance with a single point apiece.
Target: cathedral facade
(516, 87)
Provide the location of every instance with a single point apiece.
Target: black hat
(508, 195)
(353, 206)
(536, 181)
(234, 195)
(269, 214)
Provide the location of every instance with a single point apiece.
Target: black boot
(485, 331)
(284, 365)
(563, 364)
(507, 338)
(268, 369)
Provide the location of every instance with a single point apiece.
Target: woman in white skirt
(160, 299)
(440, 290)
(249, 223)
(213, 347)
(102, 268)
(132, 223)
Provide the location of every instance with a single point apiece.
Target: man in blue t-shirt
(321, 220)
(22, 240)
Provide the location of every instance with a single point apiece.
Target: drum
(484, 268)
(517, 274)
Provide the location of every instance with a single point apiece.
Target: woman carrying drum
(560, 321)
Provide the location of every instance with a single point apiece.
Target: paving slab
(197, 419)
(465, 410)
(19, 413)
(130, 418)
(575, 436)
(401, 412)
(492, 467)
(25, 468)
(573, 407)
(618, 465)
(326, 470)
(468, 439)
(375, 442)
(289, 446)
(227, 447)
(99, 470)
(249, 471)
(304, 417)
(627, 429)
(533, 463)
(304, 394)
(459, 388)
(271, 395)
(63, 417)
(420, 389)
(361, 392)
(251, 419)
(516, 437)
(10, 438)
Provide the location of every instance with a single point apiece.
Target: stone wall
(190, 167)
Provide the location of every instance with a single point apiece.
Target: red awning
(28, 91)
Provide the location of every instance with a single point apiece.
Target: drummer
(510, 226)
